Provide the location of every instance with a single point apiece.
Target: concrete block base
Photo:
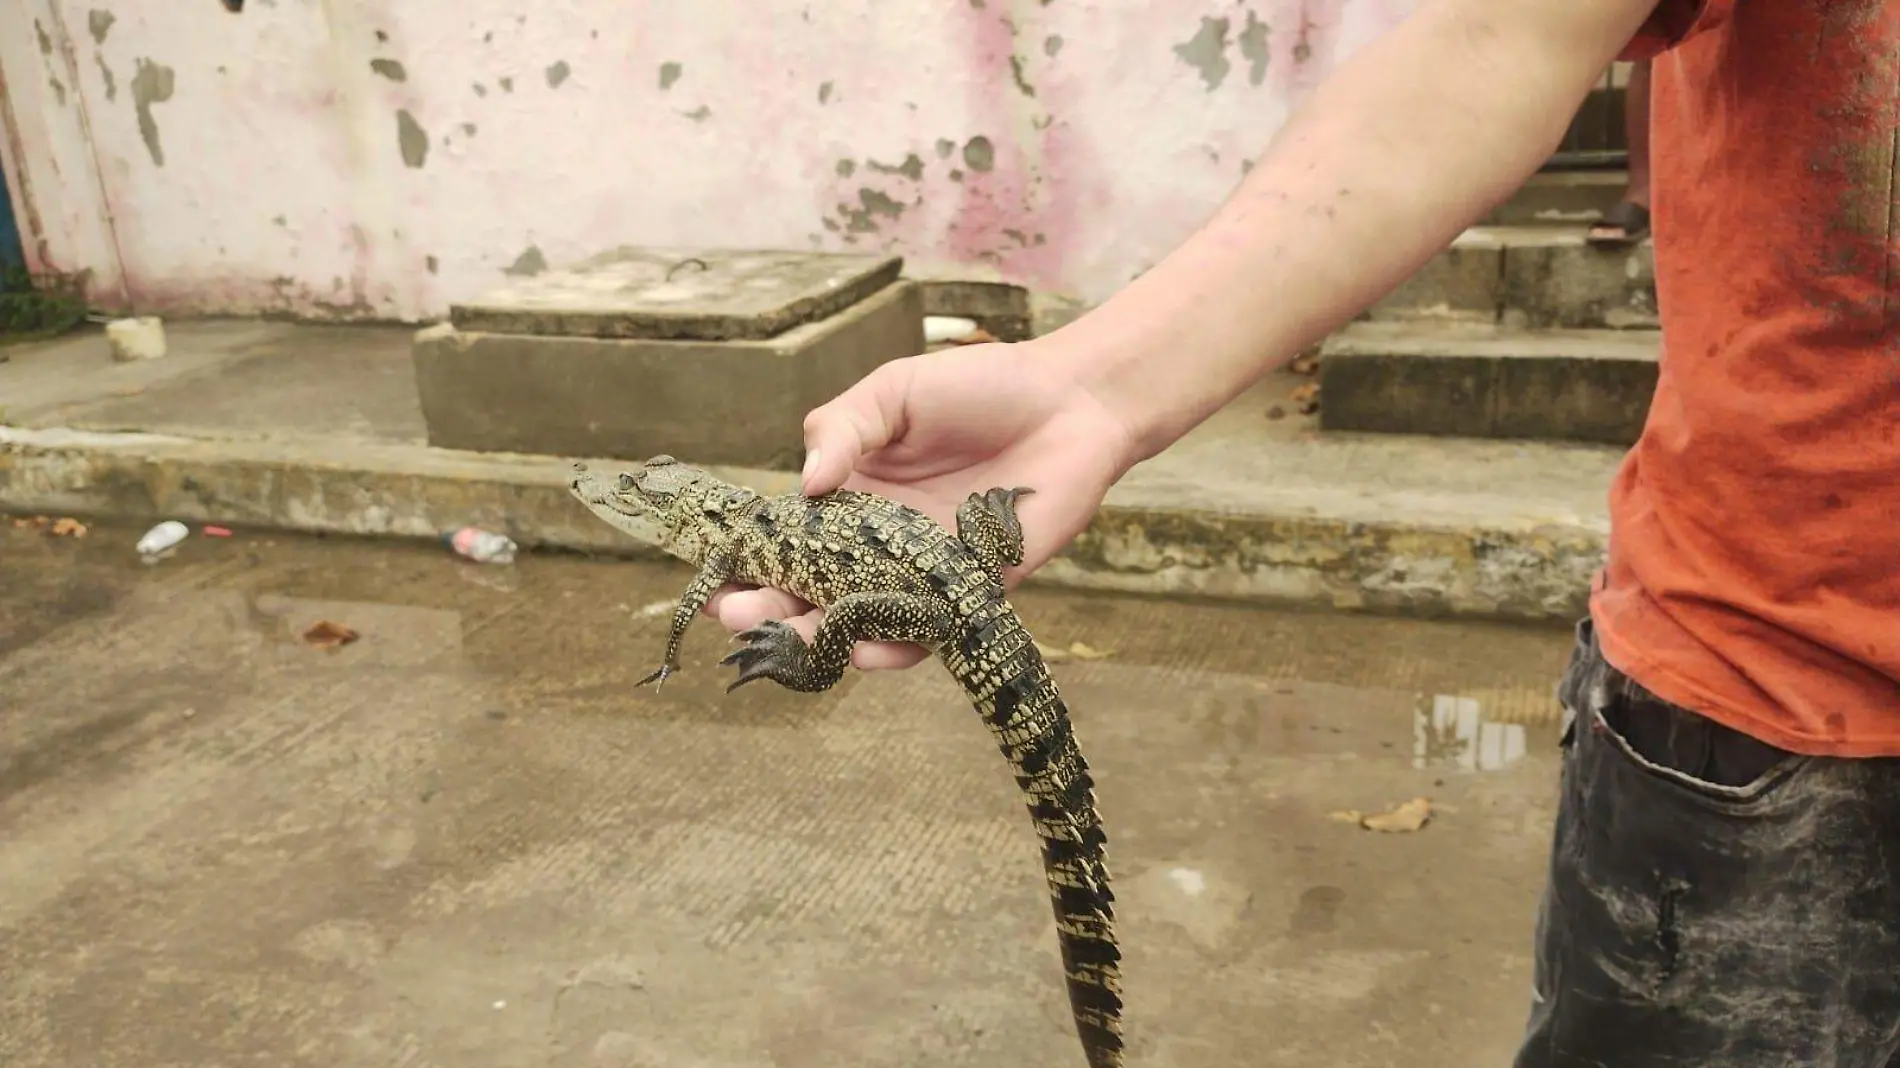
(740, 402)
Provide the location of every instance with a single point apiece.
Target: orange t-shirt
(1754, 564)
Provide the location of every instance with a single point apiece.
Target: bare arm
(1401, 149)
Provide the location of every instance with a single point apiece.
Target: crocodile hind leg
(987, 523)
(773, 650)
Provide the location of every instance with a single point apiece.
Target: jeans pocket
(1758, 786)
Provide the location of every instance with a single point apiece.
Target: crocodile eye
(626, 482)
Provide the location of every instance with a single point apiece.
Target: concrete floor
(467, 840)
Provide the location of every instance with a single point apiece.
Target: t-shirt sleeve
(1673, 22)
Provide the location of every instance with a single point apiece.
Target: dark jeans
(1712, 900)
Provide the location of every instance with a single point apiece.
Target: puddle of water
(1452, 731)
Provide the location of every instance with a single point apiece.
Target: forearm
(1405, 146)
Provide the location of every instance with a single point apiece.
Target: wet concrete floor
(466, 840)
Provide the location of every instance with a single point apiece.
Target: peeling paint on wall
(152, 84)
(946, 158)
(979, 154)
(1206, 52)
(912, 167)
(1253, 48)
(530, 263)
(412, 139)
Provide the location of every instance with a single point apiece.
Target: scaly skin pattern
(886, 572)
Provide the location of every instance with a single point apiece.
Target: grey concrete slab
(680, 294)
(466, 839)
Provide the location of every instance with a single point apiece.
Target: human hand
(930, 430)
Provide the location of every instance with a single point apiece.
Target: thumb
(861, 420)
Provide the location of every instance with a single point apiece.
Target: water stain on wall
(558, 72)
(99, 23)
(1206, 52)
(1051, 45)
(824, 93)
(152, 84)
(412, 139)
(670, 73)
(389, 68)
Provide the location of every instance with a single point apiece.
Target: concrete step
(1537, 277)
(1488, 381)
(1561, 198)
(271, 425)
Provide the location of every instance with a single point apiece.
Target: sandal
(1620, 227)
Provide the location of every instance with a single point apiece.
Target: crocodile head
(688, 511)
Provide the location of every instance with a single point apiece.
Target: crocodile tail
(1031, 726)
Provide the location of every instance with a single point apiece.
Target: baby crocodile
(886, 572)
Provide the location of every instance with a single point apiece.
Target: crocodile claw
(770, 650)
(659, 676)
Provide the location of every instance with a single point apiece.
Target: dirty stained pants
(1712, 900)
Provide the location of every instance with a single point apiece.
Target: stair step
(1561, 198)
(1535, 277)
(1489, 381)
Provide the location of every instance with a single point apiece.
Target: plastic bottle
(162, 537)
(481, 546)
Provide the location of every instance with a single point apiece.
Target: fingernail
(811, 464)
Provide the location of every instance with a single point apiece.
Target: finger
(739, 610)
(861, 420)
(887, 656)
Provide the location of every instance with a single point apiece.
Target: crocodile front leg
(773, 650)
(712, 575)
(988, 524)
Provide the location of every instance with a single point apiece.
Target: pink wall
(380, 158)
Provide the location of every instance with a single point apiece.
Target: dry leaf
(1411, 816)
(327, 635)
(1305, 363)
(1075, 651)
(979, 336)
(65, 527)
(1276, 412)
(1307, 397)
(655, 609)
